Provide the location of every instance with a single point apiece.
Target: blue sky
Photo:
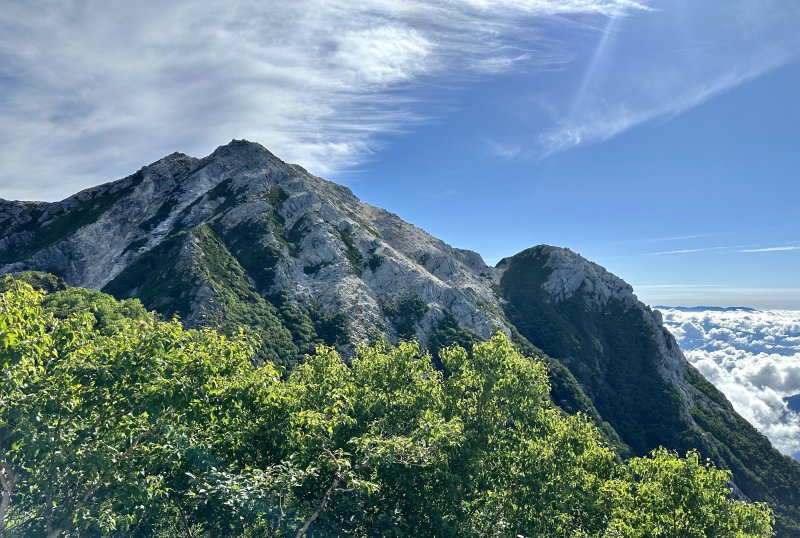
(684, 208)
(658, 138)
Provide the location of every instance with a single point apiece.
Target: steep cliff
(242, 209)
(632, 369)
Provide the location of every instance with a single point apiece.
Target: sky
(655, 137)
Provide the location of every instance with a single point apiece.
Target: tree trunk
(52, 530)
(7, 480)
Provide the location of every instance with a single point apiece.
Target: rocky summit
(242, 239)
(284, 231)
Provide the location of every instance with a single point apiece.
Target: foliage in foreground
(115, 423)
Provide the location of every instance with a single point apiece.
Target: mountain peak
(244, 150)
(562, 273)
(177, 232)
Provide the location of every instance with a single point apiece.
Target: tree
(93, 425)
(341, 430)
(666, 496)
(524, 467)
(113, 422)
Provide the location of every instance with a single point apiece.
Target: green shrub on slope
(115, 423)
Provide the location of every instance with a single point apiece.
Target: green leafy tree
(115, 423)
(523, 467)
(666, 496)
(339, 430)
(93, 425)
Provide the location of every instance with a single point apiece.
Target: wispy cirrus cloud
(687, 251)
(94, 89)
(727, 248)
(677, 286)
(666, 65)
(667, 239)
(504, 150)
(771, 249)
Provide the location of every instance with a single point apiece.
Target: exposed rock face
(313, 240)
(571, 274)
(240, 238)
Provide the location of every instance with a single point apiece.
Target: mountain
(708, 308)
(793, 402)
(198, 237)
(242, 239)
(632, 369)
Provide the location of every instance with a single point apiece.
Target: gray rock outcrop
(331, 248)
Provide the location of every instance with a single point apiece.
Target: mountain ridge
(709, 308)
(192, 200)
(241, 238)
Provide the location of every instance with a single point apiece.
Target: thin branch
(278, 524)
(322, 503)
(337, 479)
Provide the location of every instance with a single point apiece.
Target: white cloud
(383, 55)
(606, 7)
(503, 150)
(665, 239)
(753, 357)
(729, 248)
(93, 89)
(687, 251)
(770, 249)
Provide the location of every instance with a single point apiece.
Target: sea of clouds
(753, 357)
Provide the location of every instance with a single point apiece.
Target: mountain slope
(291, 232)
(240, 238)
(635, 374)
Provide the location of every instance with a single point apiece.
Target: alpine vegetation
(113, 422)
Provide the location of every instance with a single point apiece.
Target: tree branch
(323, 502)
(334, 487)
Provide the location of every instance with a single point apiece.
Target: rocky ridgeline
(571, 275)
(327, 245)
(322, 243)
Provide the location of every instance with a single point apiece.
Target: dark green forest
(116, 423)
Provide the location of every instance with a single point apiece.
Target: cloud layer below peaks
(753, 357)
